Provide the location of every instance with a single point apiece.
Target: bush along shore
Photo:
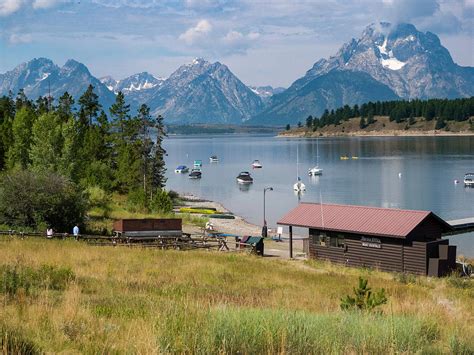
(65, 296)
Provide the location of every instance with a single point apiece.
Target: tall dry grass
(153, 301)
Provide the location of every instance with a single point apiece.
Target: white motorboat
(316, 170)
(181, 169)
(195, 174)
(213, 159)
(244, 178)
(469, 180)
(256, 164)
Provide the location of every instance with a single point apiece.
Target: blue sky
(262, 41)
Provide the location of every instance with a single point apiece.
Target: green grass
(100, 219)
(118, 300)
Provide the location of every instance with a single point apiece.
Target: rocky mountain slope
(386, 63)
(204, 92)
(412, 64)
(41, 76)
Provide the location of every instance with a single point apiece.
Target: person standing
(49, 233)
(75, 231)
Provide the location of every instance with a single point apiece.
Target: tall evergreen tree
(158, 162)
(120, 112)
(65, 106)
(89, 102)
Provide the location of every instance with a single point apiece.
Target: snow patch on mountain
(392, 63)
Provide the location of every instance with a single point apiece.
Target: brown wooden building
(388, 239)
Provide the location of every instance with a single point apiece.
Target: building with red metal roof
(384, 238)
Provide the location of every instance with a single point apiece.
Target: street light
(264, 229)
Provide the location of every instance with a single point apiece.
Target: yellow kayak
(196, 210)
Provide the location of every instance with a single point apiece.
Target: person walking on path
(75, 231)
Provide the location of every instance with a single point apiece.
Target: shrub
(136, 201)
(30, 199)
(13, 341)
(161, 202)
(21, 278)
(364, 299)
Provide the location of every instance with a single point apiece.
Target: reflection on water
(397, 172)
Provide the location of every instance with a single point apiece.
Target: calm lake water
(398, 172)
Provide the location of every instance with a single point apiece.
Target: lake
(397, 172)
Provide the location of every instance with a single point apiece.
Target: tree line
(118, 151)
(441, 110)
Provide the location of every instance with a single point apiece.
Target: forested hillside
(441, 111)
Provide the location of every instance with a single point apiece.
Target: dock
(461, 226)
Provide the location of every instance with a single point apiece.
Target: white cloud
(7, 7)
(407, 10)
(193, 34)
(45, 4)
(19, 38)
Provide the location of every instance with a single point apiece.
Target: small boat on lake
(316, 170)
(213, 159)
(244, 178)
(344, 157)
(197, 163)
(195, 174)
(299, 186)
(256, 164)
(469, 180)
(181, 169)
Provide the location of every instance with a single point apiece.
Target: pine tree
(158, 162)
(65, 106)
(120, 112)
(89, 102)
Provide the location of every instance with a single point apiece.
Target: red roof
(356, 219)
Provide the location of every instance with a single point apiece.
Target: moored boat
(195, 174)
(256, 164)
(181, 169)
(221, 216)
(197, 163)
(213, 159)
(244, 178)
(469, 180)
(315, 171)
(299, 186)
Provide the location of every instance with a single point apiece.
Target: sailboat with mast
(316, 170)
(298, 186)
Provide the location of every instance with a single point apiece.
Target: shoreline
(240, 226)
(378, 134)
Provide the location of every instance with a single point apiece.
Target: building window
(321, 239)
(329, 240)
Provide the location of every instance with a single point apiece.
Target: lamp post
(264, 229)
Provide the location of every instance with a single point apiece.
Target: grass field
(66, 296)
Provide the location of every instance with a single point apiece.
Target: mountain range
(386, 63)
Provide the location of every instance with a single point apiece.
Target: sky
(264, 42)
